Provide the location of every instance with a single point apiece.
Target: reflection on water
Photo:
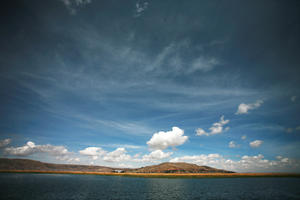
(77, 187)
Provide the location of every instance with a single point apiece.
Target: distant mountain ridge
(7, 164)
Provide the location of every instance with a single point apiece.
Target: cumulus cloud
(247, 163)
(202, 159)
(5, 142)
(244, 108)
(293, 98)
(118, 155)
(121, 155)
(30, 148)
(216, 128)
(72, 5)
(256, 143)
(163, 140)
(25, 150)
(93, 152)
(260, 163)
(155, 156)
(125, 165)
(232, 144)
(140, 8)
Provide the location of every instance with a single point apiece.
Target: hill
(26, 164)
(180, 167)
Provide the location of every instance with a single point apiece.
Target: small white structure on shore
(118, 171)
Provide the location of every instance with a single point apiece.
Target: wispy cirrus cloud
(130, 128)
(72, 5)
(291, 130)
(293, 98)
(203, 64)
(140, 7)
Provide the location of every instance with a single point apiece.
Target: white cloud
(68, 158)
(155, 156)
(293, 98)
(163, 140)
(172, 55)
(126, 146)
(244, 137)
(30, 148)
(52, 150)
(245, 164)
(256, 143)
(5, 142)
(131, 128)
(244, 108)
(140, 8)
(93, 152)
(72, 4)
(97, 153)
(216, 128)
(201, 131)
(202, 159)
(232, 144)
(123, 165)
(203, 64)
(118, 155)
(25, 150)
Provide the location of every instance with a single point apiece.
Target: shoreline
(161, 175)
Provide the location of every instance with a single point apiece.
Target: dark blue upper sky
(138, 82)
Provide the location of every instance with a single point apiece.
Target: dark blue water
(53, 186)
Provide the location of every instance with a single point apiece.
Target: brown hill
(26, 164)
(178, 167)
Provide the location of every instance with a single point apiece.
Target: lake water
(77, 187)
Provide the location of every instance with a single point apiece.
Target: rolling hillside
(180, 167)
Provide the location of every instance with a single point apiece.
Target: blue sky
(135, 83)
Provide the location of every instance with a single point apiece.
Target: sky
(135, 83)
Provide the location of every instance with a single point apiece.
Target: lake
(77, 187)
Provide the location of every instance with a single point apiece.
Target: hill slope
(179, 167)
(26, 164)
